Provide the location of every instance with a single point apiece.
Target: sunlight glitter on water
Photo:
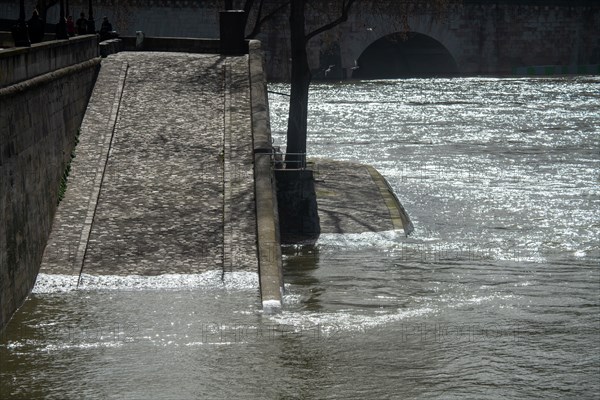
(495, 295)
(47, 283)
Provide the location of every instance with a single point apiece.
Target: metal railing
(282, 161)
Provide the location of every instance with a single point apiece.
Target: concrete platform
(355, 198)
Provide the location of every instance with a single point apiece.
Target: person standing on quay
(81, 24)
(106, 30)
(36, 28)
(70, 26)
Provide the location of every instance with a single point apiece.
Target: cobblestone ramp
(163, 177)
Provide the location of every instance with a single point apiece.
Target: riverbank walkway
(170, 177)
(162, 181)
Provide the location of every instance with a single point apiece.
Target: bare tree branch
(248, 6)
(346, 6)
(261, 21)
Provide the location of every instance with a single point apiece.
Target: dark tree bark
(43, 6)
(301, 78)
(300, 81)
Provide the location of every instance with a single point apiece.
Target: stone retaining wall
(39, 119)
(24, 63)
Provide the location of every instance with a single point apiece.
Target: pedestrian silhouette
(106, 30)
(36, 28)
(70, 26)
(81, 24)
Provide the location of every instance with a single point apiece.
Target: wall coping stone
(40, 80)
(22, 63)
(267, 219)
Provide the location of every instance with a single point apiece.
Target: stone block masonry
(72, 223)
(39, 119)
(20, 64)
(163, 181)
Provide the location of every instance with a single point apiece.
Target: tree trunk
(43, 6)
(300, 81)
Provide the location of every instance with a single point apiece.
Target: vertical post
(61, 27)
(20, 32)
(22, 10)
(67, 8)
(42, 11)
(91, 26)
(232, 31)
(42, 14)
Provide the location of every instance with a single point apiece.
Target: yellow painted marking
(396, 211)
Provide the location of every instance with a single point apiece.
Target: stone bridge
(478, 37)
(471, 37)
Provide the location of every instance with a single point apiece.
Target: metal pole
(231, 29)
(42, 14)
(19, 31)
(42, 11)
(61, 27)
(91, 28)
(22, 10)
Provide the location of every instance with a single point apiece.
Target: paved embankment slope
(162, 181)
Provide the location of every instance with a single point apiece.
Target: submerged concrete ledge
(355, 198)
(398, 214)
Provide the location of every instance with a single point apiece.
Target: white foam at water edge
(331, 323)
(47, 283)
(345, 321)
(271, 306)
(361, 240)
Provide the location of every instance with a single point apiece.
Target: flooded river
(496, 294)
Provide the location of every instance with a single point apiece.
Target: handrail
(279, 160)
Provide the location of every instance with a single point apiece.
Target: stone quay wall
(44, 96)
(23, 63)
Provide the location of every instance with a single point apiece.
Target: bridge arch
(404, 55)
(367, 29)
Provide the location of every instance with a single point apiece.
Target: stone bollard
(232, 30)
(139, 40)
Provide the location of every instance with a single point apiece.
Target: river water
(496, 294)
